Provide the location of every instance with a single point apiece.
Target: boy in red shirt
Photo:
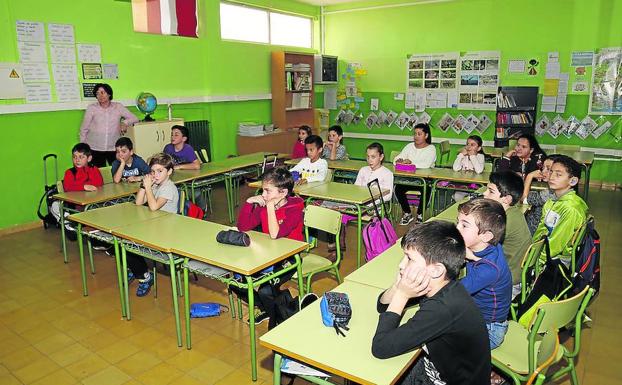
(280, 214)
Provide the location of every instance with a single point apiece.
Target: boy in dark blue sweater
(481, 222)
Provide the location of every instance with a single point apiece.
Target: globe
(146, 103)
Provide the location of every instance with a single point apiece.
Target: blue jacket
(489, 282)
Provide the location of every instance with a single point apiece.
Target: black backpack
(588, 261)
(49, 190)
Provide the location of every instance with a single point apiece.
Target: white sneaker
(406, 219)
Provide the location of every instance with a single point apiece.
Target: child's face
(333, 137)
(419, 137)
(271, 192)
(412, 259)
(492, 192)
(560, 179)
(374, 158)
(160, 174)
(523, 149)
(123, 153)
(467, 226)
(546, 169)
(80, 159)
(302, 135)
(177, 137)
(313, 152)
(472, 147)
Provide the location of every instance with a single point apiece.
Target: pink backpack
(378, 234)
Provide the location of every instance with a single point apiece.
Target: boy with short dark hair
(448, 326)
(312, 168)
(562, 216)
(481, 222)
(506, 187)
(334, 148)
(128, 166)
(182, 153)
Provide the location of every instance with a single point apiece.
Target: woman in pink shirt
(103, 125)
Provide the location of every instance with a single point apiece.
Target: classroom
(242, 76)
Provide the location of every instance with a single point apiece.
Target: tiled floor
(51, 334)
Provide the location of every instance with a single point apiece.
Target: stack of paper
(250, 129)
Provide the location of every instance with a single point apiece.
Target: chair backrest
(269, 162)
(575, 242)
(106, 174)
(196, 153)
(394, 154)
(329, 175)
(487, 167)
(205, 156)
(558, 314)
(512, 143)
(59, 186)
(531, 267)
(567, 147)
(322, 218)
(546, 355)
(445, 148)
(182, 201)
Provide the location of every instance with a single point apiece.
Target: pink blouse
(101, 126)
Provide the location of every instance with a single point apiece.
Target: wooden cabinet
(150, 137)
(279, 141)
(292, 90)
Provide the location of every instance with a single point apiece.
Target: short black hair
(489, 215)
(124, 141)
(315, 139)
(106, 88)
(572, 166)
(425, 128)
(281, 178)
(337, 128)
(183, 130)
(438, 242)
(508, 183)
(82, 148)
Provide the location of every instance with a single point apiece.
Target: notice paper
(67, 92)
(65, 73)
(330, 96)
(38, 92)
(11, 85)
(31, 52)
(29, 31)
(516, 66)
(36, 72)
(63, 53)
(409, 104)
(61, 33)
(89, 53)
(94, 71)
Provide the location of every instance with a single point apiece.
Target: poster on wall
(479, 79)
(606, 92)
(435, 73)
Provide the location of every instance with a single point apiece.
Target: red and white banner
(166, 17)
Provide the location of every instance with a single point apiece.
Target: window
(244, 23)
(261, 26)
(290, 30)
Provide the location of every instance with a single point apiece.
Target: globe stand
(148, 118)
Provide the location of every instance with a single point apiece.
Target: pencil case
(232, 237)
(405, 167)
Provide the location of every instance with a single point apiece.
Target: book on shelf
(505, 101)
(300, 100)
(508, 118)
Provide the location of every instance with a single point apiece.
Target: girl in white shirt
(422, 154)
(470, 158)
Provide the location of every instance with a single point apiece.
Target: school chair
(575, 242)
(567, 147)
(204, 185)
(196, 153)
(547, 351)
(445, 150)
(519, 354)
(323, 219)
(531, 267)
(422, 195)
(106, 174)
(329, 175)
(512, 143)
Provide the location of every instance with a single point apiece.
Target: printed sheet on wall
(606, 93)
(479, 79)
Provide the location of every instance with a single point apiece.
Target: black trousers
(400, 194)
(137, 265)
(101, 157)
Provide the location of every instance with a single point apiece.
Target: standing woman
(102, 125)
(526, 157)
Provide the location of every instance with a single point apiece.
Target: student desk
(108, 194)
(107, 219)
(381, 271)
(304, 337)
(341, 192)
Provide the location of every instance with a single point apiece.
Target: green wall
(380, 39)
(167, 66)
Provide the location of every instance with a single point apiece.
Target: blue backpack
(588, 261)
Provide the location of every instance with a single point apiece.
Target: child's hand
(134, 178)
(464, 151)
(147, 182)
(123, 128)
(257, 199)
(301, 181)
(537, 174)
(405, 161)
(510, 153)
(470, 256)
(89, 187)
(415, 282)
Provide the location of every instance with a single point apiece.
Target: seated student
(312, 168)
(562, 216)
(299, 148)
(481, 222)
(159, 193)
(333, 148)
(524, 158)
(448, 326)
(280, 214)
(83, 176)
(422, 154)
(182, 153)
(537, 199)
(470, 158)
(128, 166)
(506, 188)
(374, 170)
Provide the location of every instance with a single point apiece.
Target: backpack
(48, 219)
(192, 210)
(378, 234)
(588, 261)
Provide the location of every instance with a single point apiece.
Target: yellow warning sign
(14, 75)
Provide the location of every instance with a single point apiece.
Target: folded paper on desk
(293, 367)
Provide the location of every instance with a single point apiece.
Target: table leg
(82, 265)
(63, 240)
(128, 312)
(119, 276)
(301, 287)
(588, 168)
(359, 227)
(277, 369)
(171, 264)
(251, 323)
(229, 195)
(187, 306)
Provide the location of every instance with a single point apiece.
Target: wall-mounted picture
(431, 84)
(467, 65)
(492, 64)
(448, 63)
(490, 98)
(477, 98)
(415, 65)
(465, 98)
(448, 74)
(448, 83)
(415, 74)
(432, 64)
(488, 80)
(445, 122)
(415, 84)
(469, 80)
(431, 74)
(479, 65)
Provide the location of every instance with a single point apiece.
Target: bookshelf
(516, 113)
(292, 90)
